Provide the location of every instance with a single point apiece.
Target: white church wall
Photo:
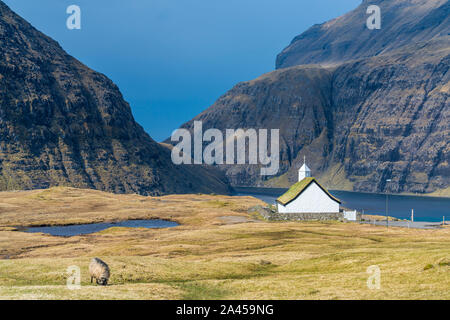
(311, 200)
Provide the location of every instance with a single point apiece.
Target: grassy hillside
(219, 251)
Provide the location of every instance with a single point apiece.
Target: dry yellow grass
(372, 217)
(207, 257)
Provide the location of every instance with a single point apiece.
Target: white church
(307, 196)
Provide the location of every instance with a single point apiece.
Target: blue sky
(173, 58)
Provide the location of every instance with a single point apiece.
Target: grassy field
(219, 251)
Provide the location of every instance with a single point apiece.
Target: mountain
(362, 105)
(403, 22)
(62, 123)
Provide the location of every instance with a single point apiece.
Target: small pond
(79, 229)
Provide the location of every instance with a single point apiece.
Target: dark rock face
(368, 116)
(393, 120)
(62, 123)
(296, 101)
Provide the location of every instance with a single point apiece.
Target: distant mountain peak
(347, 37)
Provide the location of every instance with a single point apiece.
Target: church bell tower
(304, 171)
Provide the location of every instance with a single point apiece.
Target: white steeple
(304, 171)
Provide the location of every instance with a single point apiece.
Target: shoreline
(426, 209)
(408, 224)
(267, 190)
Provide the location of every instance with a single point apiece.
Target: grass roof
(296, 189)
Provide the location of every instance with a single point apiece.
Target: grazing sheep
(99, 271)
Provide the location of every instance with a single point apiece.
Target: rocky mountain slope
(62, 123)
(403, 22)
(361, 115)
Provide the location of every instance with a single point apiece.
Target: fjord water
(430, 209)
(74, 230)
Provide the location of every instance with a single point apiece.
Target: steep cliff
(403, 22)
(361, 115)
(62, 123)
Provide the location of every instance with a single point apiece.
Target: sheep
(99, 271)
